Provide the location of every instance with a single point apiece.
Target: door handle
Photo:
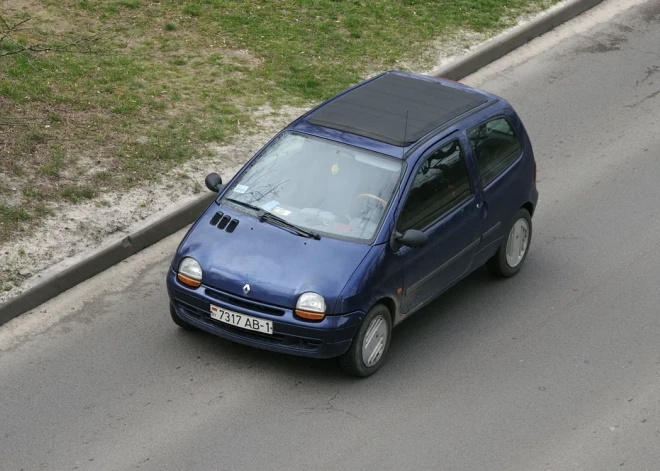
(484, 209)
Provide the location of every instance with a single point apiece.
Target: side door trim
(443, 266)
(491, 230)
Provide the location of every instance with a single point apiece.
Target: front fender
(380, 275)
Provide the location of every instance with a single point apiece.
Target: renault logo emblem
(246, 289)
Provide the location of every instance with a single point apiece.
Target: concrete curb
(104, 259)
(490, 52)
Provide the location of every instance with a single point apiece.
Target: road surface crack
(330, 407)
(555, 238)
(646, 98)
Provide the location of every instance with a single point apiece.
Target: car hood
(278, 265)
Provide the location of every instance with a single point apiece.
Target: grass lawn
(160, 79)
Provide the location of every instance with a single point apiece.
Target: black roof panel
(377, 109)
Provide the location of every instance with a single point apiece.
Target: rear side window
(496, 146)
(440, 185)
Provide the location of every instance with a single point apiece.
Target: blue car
(357, 215)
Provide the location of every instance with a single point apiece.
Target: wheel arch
(529, 207)
(391, 306)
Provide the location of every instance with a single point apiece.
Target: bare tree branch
(71, 47)
(4, 22)
(10, 29)
(12, 122)
(15, 26)
(81, 45)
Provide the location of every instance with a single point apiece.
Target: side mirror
(213, 182)
(412, 238)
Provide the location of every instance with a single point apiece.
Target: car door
(440, 202)
(497, 151)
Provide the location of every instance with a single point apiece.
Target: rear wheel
(513, 250)
(369, 347)
(177, 320)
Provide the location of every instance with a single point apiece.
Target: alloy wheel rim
(516, 245)
(374, 342)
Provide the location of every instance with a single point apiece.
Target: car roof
(397, 108)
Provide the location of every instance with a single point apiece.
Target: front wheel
(513, 250)
(369, 347)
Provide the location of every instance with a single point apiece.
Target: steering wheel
(363, 197)
(373, 197)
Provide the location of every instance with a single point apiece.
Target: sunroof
(377, 110)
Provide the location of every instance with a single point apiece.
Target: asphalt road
(555, 369)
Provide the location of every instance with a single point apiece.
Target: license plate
(241, 320)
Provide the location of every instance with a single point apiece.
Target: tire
(378, 325)
(178, 321)
(504, 266)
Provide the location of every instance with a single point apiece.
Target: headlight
(190, 272)
(311, 306)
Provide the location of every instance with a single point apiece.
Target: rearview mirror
(213, 182)
(412, 238)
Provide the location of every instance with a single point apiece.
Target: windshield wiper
(264, 215)
(246, 205)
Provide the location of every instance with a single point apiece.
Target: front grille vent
(239, 301)
(224, 221)
(216, 217)
(232, 225)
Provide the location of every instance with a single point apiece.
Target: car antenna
(405, 131)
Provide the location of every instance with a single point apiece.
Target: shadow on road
(430, 333)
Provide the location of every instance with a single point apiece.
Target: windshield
(320, 185)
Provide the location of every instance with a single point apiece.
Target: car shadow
(458, 316)
(242, 357)
(432, 319)
(445, 308)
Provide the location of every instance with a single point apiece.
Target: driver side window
(441, 184)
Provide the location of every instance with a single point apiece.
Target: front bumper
(326, 339)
